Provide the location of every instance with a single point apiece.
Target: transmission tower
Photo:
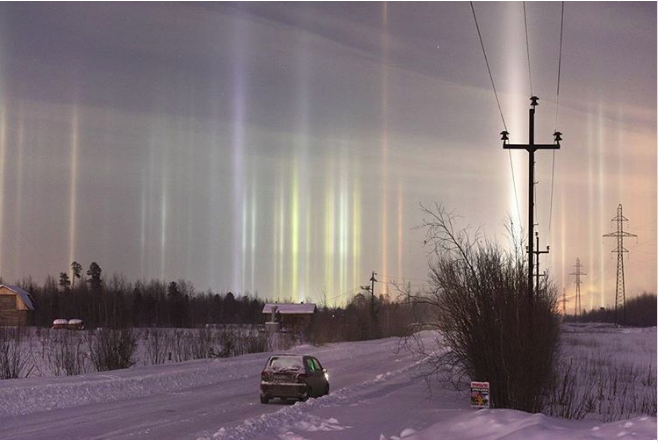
(620, 250)
(577, 297)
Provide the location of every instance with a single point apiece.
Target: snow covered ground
(375, 393)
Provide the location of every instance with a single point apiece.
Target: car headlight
(326, 376)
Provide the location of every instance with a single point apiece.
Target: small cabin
(16, 306)
(293, 318)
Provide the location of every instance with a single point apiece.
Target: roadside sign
(480, 394)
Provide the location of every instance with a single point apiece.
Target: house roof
(25, 296)
(291, 309)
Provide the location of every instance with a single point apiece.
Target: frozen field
(375, 393)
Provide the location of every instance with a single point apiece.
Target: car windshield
(278, 363)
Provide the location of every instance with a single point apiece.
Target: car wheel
(265, 399)
(307, 395)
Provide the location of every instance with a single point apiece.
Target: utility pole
(531, 148)
(372, 308)
(620, 276)
(538, 252)
(564, 309)
(577, 297)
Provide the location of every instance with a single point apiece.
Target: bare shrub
(157, 345)
(249, 340)
(239, 341)
(14, 356)
(68, 356)
(180, 345)
(599, 387)
(489, 328)
(112, 349)
(227, 343)
(201, 343)
(254, 343)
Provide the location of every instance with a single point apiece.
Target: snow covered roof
(291, 309)
(25, 296)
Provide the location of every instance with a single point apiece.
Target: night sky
(285, 148)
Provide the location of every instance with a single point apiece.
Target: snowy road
(187, 400)
(374, 394)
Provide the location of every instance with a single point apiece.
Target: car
(293, 376)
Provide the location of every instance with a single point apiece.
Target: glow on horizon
(281, 236)
(73, 182)
(295, 232)
(243, 249)
(400, 229)
(343, 221)
(601, 216)
(330, 232)
(517, 112)
(591, 199)
(163, 221)
(19, 187)
(384, 88)
(563, 241)
(253, 235)
(356, 230)
(238, 145)
(3, 161)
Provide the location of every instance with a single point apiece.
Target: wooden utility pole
(538, 252)
(531, 148)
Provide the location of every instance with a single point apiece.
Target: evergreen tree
(64, 282)
(94, 274)
(76, 272)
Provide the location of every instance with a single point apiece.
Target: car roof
(290, 354)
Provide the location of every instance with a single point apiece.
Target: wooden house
(293, 318)
(16, 306)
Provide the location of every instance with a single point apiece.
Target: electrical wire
(558, 92)
(496, 96)
(528, 52)
(487, 63)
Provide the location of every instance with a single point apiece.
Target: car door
(321, 375)
(312, 375)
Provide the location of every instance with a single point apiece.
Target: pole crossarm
(620, 235)
(533, 147)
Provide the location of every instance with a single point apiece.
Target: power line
(560, 58)
(528, 53)
(512, 171)
(487, 63)
(496, 96)
(558, 91)
(551, 197)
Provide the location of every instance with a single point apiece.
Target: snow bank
(511, 424)
(24, 396)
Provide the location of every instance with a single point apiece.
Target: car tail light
(264, 375)
(301, 377)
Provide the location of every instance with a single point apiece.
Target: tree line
(118, 303)
(640, 311)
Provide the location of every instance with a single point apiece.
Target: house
(16, 306)
(294, 318)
